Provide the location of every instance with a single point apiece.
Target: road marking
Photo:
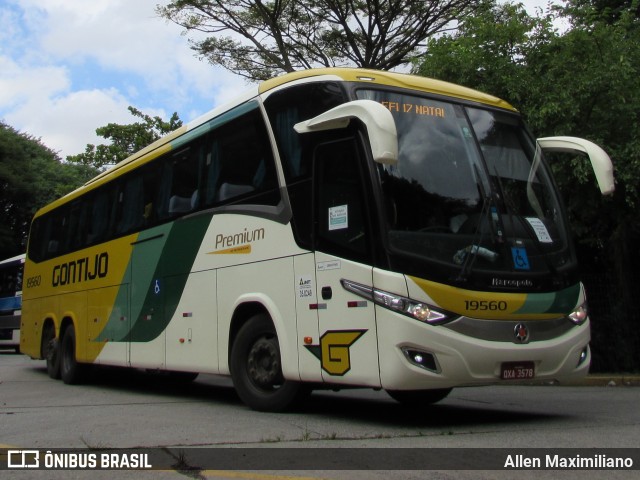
(252, 476)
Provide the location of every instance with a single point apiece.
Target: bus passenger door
(347, 346)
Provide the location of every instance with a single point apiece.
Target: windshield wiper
(468, 255)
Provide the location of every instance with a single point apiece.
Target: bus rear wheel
(417, 398)
(71, 371)
(256, 368)
(51, 352)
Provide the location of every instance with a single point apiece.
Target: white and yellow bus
(331, 228)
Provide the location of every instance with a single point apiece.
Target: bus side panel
(50, 288)
(103, 333)
(271, 284)
(307, 315)
(73, 306)
(192, 333)
(34, 314)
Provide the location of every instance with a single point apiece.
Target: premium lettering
(81, 270)
(246, 236)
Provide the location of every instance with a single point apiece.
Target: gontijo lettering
(81, 270)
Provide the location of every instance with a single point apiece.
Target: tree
(125, 139)
(31, 175)
(588, 12)
(267, 38)
(582, 82)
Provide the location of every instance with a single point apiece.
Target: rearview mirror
(600, 161)
(381, 128)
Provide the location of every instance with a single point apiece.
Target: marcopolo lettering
(81, 270)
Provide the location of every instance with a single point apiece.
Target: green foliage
(259, 40)
(590, 12)
(488, 51)
(125, 139)
(582, 81)
(31, 175)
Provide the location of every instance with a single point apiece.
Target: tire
(256, 369)
(417, 398)
(50, 350)
(71, 372)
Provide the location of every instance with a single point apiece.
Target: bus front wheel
(256, 368)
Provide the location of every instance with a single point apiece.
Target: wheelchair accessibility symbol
(520, 258)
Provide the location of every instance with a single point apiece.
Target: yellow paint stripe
(483, 305)
(251, 476)
(242, 249)
(392, 79)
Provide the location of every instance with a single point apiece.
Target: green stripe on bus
(175, 261)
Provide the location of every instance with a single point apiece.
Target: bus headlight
(417, 310)
(579, 315)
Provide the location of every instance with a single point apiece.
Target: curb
(604, 380)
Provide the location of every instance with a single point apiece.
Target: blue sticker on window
(520, 259)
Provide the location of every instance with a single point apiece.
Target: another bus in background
(11, 301)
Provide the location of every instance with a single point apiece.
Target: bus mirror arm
(381, 128)
(600, 161)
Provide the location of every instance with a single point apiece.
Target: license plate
(517, 371)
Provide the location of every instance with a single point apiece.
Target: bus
(331, 228)
(11, 271)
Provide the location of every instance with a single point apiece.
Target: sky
(68, 67)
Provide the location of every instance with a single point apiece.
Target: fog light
(583, 355)
(422, 359)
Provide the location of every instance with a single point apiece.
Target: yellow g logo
(333, 351)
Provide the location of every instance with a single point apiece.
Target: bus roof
(425, 84)
(379, 77)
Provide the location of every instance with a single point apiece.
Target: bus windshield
(470, 192)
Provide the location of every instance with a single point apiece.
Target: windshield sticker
(339, 217)
(520, 258)
(414, 108)
(540, 230)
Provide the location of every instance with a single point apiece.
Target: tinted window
(232, 164)
(341, 206)
(292, 105)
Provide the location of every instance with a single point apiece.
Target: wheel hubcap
(264, 363)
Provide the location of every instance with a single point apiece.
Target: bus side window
(290, 106)
(184, 182)
(341, 217)
(76, 237)
(100, 214)
(130, 211)
(239, 164)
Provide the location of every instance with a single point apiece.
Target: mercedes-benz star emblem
(521, 332)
